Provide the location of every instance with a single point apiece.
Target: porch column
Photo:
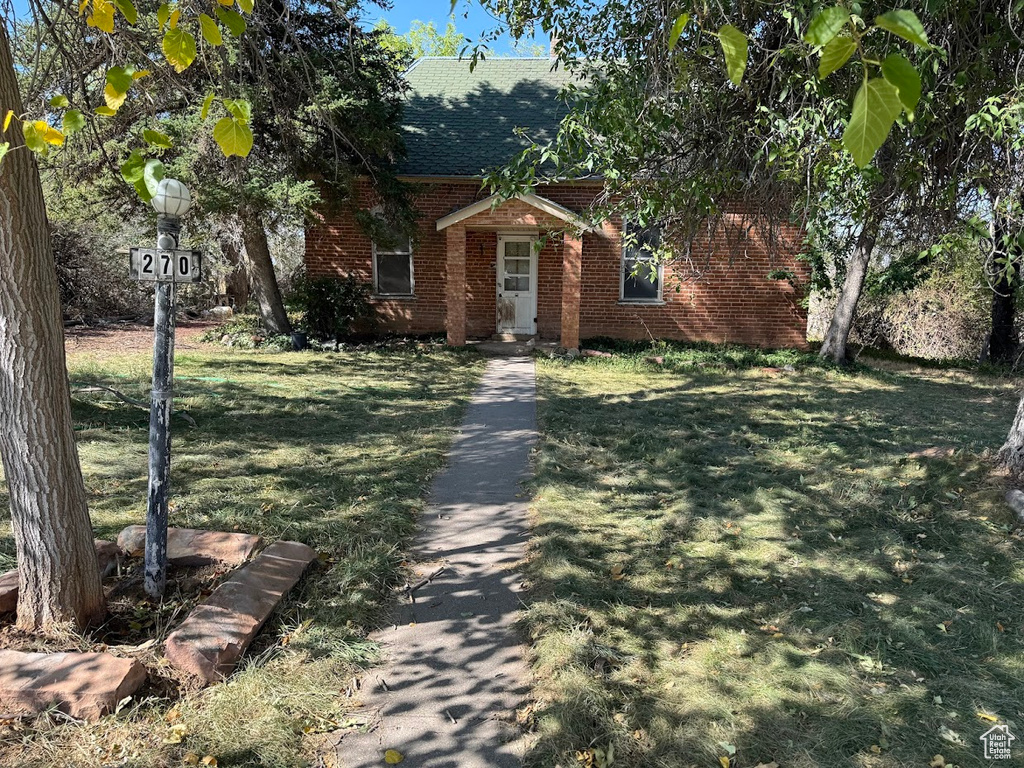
(455, 322)
(572, 268)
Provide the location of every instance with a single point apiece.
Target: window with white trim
(640, 274)
(392, 269)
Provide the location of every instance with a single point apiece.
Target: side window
(641, 277)
(392, 269)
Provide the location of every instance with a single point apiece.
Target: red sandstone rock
(107, 553)
(215, 635)
(8, 591)
(594, 353)
(84, 685)
(187, 546)
(656, 360)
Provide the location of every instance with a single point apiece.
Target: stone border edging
(209, 642)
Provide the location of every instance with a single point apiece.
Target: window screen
(394, 269)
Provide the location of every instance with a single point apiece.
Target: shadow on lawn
(795, 586)
(334, 452)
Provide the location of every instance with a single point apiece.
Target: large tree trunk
(237, 281)
(1003, 342)
(60, 580)
(261, 267)
(1011, 455)
(834, 346)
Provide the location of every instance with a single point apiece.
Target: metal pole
(168, 228)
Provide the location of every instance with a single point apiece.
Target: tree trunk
(261, 267)
(237, 282)
(1011, 455)
(60, 580)
(834, 346)
(1002, 344)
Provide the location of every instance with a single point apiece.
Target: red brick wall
(733, 301)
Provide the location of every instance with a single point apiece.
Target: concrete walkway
(454, 671)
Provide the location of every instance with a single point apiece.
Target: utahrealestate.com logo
(997, 742)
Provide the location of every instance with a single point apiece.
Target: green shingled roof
(462, 123)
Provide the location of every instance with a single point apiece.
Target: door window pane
(518, 249)
(517, 283)
(517, 266)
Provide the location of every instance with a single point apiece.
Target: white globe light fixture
(172, 198)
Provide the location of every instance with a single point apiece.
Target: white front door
(517, 284)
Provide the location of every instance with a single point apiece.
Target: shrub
(333, 308)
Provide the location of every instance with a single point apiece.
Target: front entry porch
(514, 267)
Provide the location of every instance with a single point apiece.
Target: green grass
(333, 450)
(796, 586)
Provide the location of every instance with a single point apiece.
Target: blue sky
(470, 19)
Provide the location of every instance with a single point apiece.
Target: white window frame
(622, 275)
(378, 251)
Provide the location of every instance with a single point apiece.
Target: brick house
(532, 266)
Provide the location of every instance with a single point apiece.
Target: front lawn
(735, 567)
(333, 450)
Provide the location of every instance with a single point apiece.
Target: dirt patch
(127, 337)
(134, 626)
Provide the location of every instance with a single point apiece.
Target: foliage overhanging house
(474, 270)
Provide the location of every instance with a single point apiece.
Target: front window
(641, 274)
(392, 268)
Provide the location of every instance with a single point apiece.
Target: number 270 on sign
(158, 265)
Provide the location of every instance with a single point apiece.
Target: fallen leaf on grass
(210, 760)
(987, 716)
(393, 757)
(937, 762)
(724, 762)
(176, 735)
(191, 759)
(950, 735)
(618, 573)
(772, 764)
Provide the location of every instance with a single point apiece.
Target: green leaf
(904, 24)
(734, 46)
(73, 122)
(875, 109)
(133, 169)
(33, 138)
(901, 73)
(179, 48)
(210, 30)
(106, 111)
(206, 106)
(240, 108)
(826, 25)
(157, 139)
(128, 10)
(4, 147)
(142, 190)
(232, 20)
(233, 137)
(151, 176)
(835, 55)
(163, 13)
(245, 5)
(120, 79)
(677, 30)
(60, 101)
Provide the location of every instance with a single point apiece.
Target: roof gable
(464, 123)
